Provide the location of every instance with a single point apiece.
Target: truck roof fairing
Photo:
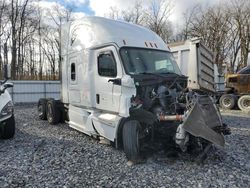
(90, 32)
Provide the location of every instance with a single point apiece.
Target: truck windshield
(148, 61)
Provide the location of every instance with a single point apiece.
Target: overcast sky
(102, 7)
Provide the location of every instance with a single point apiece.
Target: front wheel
(8, 128)
(130, 136)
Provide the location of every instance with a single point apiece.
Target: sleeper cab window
(73, 71)
(107, 65)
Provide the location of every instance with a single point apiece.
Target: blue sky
(102, 7)
(78, 6)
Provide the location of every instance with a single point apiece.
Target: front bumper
(204, 120)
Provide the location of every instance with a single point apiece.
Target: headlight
(7, 109)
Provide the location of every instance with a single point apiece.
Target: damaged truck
(120, 82)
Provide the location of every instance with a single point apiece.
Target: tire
(244, 103)
(41, 108)
(53, 113)
(8, 128)
(130, 136)
(227, 101)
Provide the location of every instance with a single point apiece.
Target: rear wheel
(130, 135)
(8, 128)
(41, 107)
(228, 101)
(244, 103)
(53, 113)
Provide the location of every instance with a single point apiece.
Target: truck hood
(153, 79)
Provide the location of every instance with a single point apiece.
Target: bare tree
(211, 26)
(135, 15)
(157, 18)
(240, 10)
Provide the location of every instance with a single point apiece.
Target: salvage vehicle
(119, 81)
(7, 120)
(237, 90)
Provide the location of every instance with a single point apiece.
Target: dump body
(197, 62)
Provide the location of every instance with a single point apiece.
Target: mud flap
(201, 120)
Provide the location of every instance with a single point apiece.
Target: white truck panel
(195, 61)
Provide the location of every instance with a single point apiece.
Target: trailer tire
(41, 108)
(227, 101)
(244, 103)
(130, 136)
(8, 128)
(53, 113)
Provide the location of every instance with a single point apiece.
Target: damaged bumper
(204, 120)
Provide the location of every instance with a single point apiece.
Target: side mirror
(6, 72)
(7, 85)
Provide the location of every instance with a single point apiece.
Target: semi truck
(120, 82)
(7, 120)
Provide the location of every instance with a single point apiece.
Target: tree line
(29, 38)
(224, 28)
(30, 43)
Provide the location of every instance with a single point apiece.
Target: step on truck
(7, 120)
(120, 82)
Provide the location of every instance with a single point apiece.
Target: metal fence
(31, 91)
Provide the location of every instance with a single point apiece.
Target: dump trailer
(120, 82)
(196, 61)
(237, 91)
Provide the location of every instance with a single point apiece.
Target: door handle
(116, 81)
(97, 98)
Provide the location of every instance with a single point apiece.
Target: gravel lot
(41, 155)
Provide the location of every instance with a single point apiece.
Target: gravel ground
(41, 155)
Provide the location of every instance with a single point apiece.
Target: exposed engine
(164, 103)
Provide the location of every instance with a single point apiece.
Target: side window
(73, 71)
(107, 65)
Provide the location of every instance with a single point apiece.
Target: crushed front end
(166, 108)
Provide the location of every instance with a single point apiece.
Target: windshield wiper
(159, 73)
(170, 72)
(151, 73)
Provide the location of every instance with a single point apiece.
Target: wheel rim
(226, 102)
(245, 103)
(40, 110)
(49, 113)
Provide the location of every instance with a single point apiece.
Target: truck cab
(119, 81)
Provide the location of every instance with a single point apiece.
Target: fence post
(44, 89)
(12, 94)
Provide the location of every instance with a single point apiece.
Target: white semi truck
(119, 81)
(7, 120)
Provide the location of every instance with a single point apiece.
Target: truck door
(108, 73)
(73, 80)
